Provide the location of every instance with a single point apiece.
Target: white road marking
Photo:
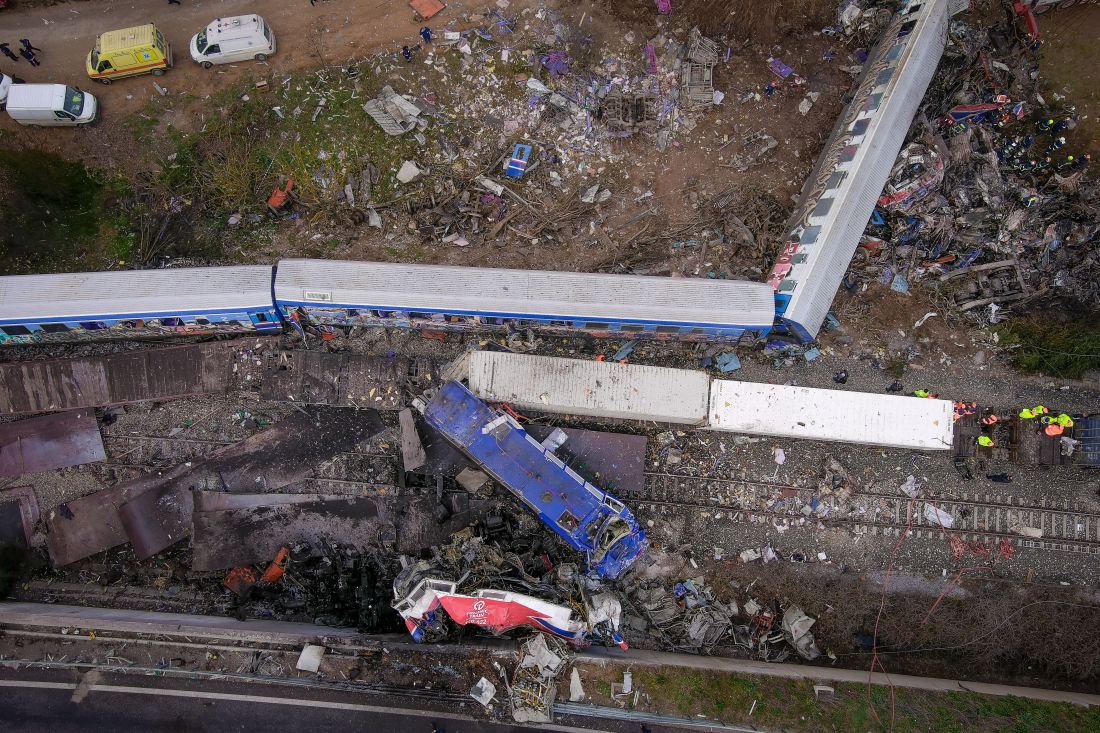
(355, 707)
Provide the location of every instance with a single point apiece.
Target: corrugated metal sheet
(598, 389)
(827, 414)
(435, 288)
(131, 376)
(81, 295)
(820, 245)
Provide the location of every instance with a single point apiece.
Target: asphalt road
(33, 701)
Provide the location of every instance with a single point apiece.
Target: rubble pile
(988, 204)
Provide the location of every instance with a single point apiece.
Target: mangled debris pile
(989, 204)
(525, 104)
(692, 619)
(482, 580)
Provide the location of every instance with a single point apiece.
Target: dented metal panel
(828, 414)
(597, 389)
(50, 441)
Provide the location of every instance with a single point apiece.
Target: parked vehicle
(50, 105)
(238, 38)
(129, 52)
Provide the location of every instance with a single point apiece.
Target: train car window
(630, 327)
(907, 29)
(668, 329)
(231, 322)
(171, 322)
(260, 317)
(568, 522)
(93, 325)
(698, 330)
(597, 326)
(202, 321)
(421, 316)
(54, 327)
(132, 324)
(15, 330)
(563, 324)
(893, 53)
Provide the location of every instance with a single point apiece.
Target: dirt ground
(307, 35)
(1071, 38)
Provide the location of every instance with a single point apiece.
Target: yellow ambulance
(129, 52)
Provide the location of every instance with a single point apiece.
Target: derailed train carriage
(326, 295)
(587, 518)
(133, 304)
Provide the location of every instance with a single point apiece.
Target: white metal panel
(828, 414)
(438, 288)
(593, 388)
(81, 294)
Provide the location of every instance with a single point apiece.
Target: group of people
(407, 53)
(1052, 425)
(27, 51)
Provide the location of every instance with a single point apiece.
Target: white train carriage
(136, 303)
(333, 293)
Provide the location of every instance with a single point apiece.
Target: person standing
(406, 54)
(29, 57)
(426, 34)
(27, 45)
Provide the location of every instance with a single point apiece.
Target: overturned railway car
(588, 518)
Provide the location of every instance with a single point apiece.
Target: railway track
(1065, 527)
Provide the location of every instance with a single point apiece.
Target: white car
(238, 38)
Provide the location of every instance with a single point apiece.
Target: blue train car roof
(519, 293)
(80, 295)
(517, 460)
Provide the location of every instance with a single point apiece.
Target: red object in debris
(280, 196)
(434, 335)
(241, 579)
(328, 336)
(426, 9)
(276, 569)
(1024, 11)
(1005, 548)
(497, 616)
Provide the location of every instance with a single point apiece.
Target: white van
(48, 105)
(239, 38)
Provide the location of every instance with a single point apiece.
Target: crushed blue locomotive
(588, 518)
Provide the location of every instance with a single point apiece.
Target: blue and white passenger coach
(337, 293)
(136, 303)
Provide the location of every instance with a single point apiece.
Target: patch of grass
(57, 216)
(1065, 350)
(791, 705)
(248, 146)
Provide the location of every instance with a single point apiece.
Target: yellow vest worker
(985, 441)
(1026, 414)
(1064, 420)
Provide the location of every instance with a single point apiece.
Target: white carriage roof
(437, 288)
(77, 295)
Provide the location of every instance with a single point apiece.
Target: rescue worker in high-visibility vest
(1064, 420)
(985, 441)
(1027, 414)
